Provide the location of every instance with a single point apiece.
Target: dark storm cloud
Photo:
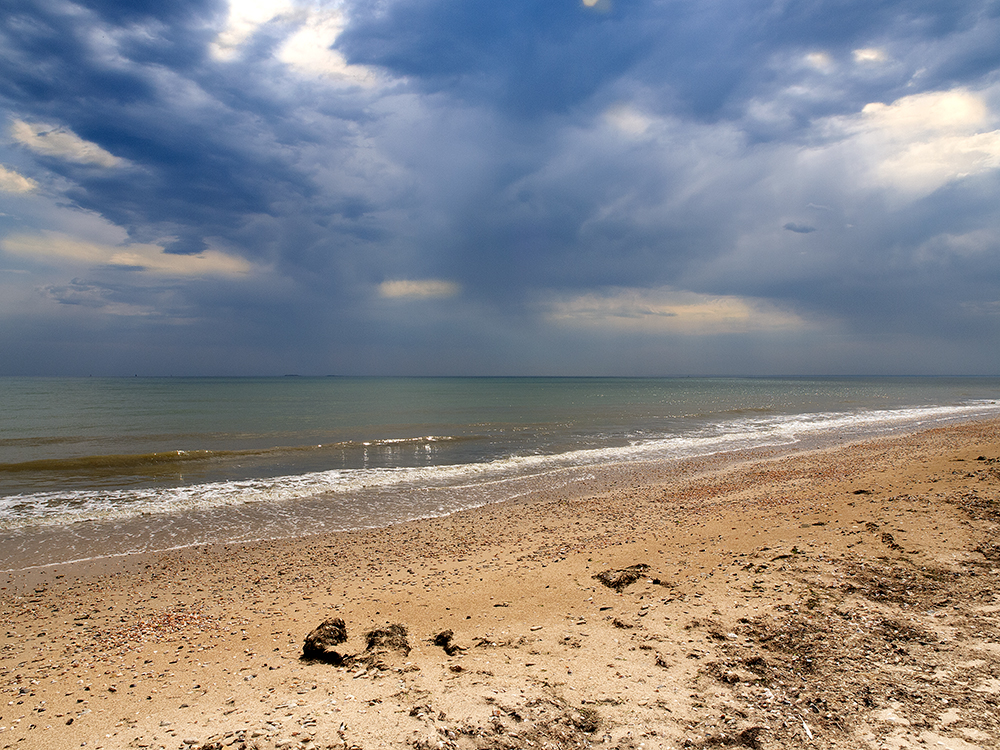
(144, 10)
(195, 168)
(799, 228)
(528, 154)
(186, 246)
(706, 58)
(528, 57)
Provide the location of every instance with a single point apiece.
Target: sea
(102, 467)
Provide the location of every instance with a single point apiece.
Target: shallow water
(99, 466)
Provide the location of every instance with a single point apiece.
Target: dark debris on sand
(321, 642)
(619, 579)
(391, 638)
(867, 644)
(444, 640)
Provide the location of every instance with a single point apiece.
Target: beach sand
(843, 598)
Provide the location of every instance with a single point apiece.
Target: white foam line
(50, 508)
(941, 414)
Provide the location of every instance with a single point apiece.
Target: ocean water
(95, 467)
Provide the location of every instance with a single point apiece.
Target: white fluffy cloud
(12, 182)
(245, 17)
(933, 138)
(916, 144)
(670, 311)
(820, 61)
(869, 55)
(309, 50)
(418, 289)
(53, 140)
(628, 119)
(311, 32)
(51, 247)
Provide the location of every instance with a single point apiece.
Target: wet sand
(843, 598)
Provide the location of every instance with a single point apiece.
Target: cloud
(931, 114)
(61, 142)
(12, 182)
(518, 57)
(51, 247)
(869, 55)
(244, 18)
(101, 298)
(283, 156)
(418, 289)
(916, 144)
(799, 228)
(305, 35)
(310, 50)
(923, 166)
(664, 310)
(628, 119)
(932, 139)
(820, 61)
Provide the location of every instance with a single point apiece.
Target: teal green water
(166, 461)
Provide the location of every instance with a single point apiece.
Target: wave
(478, 482)
(139, 461)
(113, 461)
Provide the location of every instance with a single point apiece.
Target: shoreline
(594, 480)
(103, 538)
(58, 524)
(200, 647)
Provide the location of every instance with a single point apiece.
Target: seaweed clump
(619, 579)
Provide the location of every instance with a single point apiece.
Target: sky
(464, 187)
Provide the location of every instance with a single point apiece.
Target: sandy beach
(843, 598)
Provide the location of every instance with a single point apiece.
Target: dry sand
(836, 599)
